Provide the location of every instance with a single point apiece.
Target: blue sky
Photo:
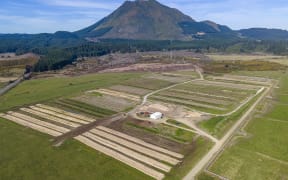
(35, 16)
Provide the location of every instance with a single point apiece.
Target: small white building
(156, 116)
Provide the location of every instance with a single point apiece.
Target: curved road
(219, 144)
(218, 147)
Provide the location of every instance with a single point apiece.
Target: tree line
(55, 53)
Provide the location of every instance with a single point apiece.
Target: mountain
(150, 20)
(264, 34)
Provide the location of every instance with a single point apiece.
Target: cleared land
(174, 78)
(193, 148)
(112, 103)
(271, 58)
(262, 154)
(207, 96)
(82, 108)
(58, 110)
(139, 148)
(146, 83)
(110, 142)
(172, 133)
(53, 113)
(41, 90)
(116, 94)
(31, 125)
(56, 163)
(130, 90)
(148, 148)
(14, 66)
(141, 142)
(234, 57)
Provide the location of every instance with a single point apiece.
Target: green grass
(215, 111)
(202, 146)
(176, 123)
(218, 126)
(82, 105)
(216, 90)
(28, 155)
(169, 132)
(146, 83)
(2, 84)
(187, 97)
(280, 112)
(240, 164)
(191, 73)
(205, 176)
(269, 137)
(211, 124)
(263, 154)
(41, 90)
(76, 109)
(97, 94)
(266, 74)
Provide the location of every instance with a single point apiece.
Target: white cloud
(20, 24)
(82, 4)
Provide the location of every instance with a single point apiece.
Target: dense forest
(63, 48)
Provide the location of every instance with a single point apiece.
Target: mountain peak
(147, 20)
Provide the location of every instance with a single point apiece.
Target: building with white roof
(156, 116)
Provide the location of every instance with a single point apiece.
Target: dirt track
(221, 144)
(127, 149)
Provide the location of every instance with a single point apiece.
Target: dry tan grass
(236, 57)
(117, 94)
(7, 79)
(31, 125)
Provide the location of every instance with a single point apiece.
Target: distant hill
(152, 26)
(26, 42)
(150, 20)
(264, 34)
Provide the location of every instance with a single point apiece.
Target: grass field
(265, 74)
(28, 155)
(271, 58)
(2, 84)
(263, 154)
(76, 106)
(176, 123)
(113, 103)
(202, 147)
(205, 176)
(41, 90)
(146, 83)
(214, 98)
(235, 57)
(191, 73)
(219, 125)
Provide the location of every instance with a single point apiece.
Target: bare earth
(149, 67)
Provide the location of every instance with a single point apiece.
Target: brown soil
(149, 137)
(154, 67)
(87, 127)
(13, 56)
(7, 79)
